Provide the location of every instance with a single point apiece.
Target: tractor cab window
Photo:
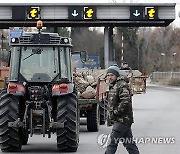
(14, 65)
(65, 62)
(39, 64)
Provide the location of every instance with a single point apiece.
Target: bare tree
(88, 40)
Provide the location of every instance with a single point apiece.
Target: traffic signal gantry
(87, 14)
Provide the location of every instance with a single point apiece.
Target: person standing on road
(120, 114)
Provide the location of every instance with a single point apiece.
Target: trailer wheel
(93, 118)
(67, 114)
(10, 140)
(102, 114)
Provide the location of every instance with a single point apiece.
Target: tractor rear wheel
(67, 114)
(10, 140)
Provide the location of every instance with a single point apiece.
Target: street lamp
(174, 53)
(172, 62)
(164, 58)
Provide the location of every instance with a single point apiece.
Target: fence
(157, 76)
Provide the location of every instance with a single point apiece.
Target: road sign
(151, 13)
(75, 13)
(136, 13)
(89, 12)
(15, 33)
(34, 13)
(92, 63)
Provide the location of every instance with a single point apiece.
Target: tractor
(40, 97)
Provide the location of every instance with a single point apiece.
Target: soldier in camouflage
(120, 114)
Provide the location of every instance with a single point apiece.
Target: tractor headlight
(65, 41)
(14, 40)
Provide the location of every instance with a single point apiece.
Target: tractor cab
(40, 57)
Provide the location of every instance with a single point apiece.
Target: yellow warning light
(151, 13)
(39, 24)
(89, 13)
(34, 13)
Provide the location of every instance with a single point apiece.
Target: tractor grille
(25, 40)
(54, 40)
(42, 39)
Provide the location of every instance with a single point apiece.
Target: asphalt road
(157, 122)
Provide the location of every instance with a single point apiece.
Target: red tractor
(40, 97)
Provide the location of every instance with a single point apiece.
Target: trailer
(94, 109)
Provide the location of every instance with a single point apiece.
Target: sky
(176, 23)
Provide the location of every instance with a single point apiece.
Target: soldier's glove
(117, 113)
(112, 115)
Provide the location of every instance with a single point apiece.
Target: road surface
(157, 122)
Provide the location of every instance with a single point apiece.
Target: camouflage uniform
(120, 103)
(120, 115)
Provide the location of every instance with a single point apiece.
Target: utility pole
(122, 48)
(2, 37)
(138, 47)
